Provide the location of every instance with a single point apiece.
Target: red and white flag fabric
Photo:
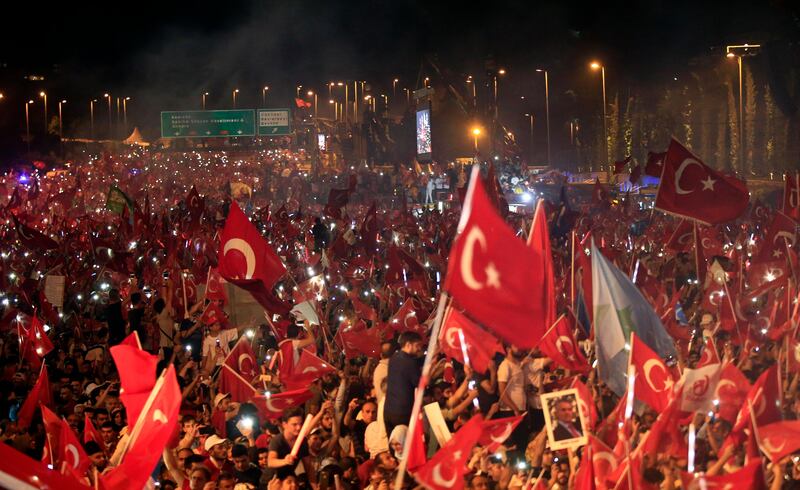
(150, 434)
(694, 190)
(272, 406)
(137, 375)
(235, 385)
(495, 432)
(356, 341)
(308, 369)
(762, 397)
(481, 346)
(215, 287)
(709, 355)
(492, 274)
(750, 476)
(653, 382)
(21, 471)
(539, 242)
(247, 260)
(40, 393)
(33, 239)
(791, 196)
(242, 359)
(405, 319)
(71, 454)
(604, 462)
(446, 469)
(586, 403)
(779, 439)
(36, 344)
(559, 344)
(655, 163)
(731, 391)
(699, 387)
(90, 433)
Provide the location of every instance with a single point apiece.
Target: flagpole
(572, 271)
(183, 291)
(433, 342)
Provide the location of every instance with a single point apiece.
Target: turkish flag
(665, 436)
(779, 439)
(446, 469)
(749, 476)
(355, 342)
(272, 407)
(89, 431)
(791, 196)
(681, 239)
(232, 383)
(215, 287)
(194, 205)
(559, 344)
(36, 343)
(21, 471)
(539, 242)
(312, 289)
(246, 260)
(403, 268)
(762, 398)
(370, 228)
(242, 359)
(52, 429)
(493, 275)
(405, 319)
(363, 310)
(495, 432)
(137, 375)
(731, 391)
(604, 462)
(70, 452)
(337, 199)
(149, 435)
(481, 346)
(310, 367)
(33, 239)
(585, 402)
(212, 314)
(655, 163)
(709, 355)
(417, 451)
(779, 237)
(653, 383)
(619, 166)
(40, 393)
(691, 189)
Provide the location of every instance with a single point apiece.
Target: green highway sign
(207, 124)
(273, 122)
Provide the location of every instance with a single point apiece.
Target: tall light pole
(91, 116)
(385, 102)
(108, 96)
(205, 94)
(235, 91)
(595, 65)
(546, 109)
(44, 96)
(264, 95)
(125, 112)
(531, 119)
(298, 90)
(61, 120)
(496, 113)
(313, 94)
(471, 82)
(408, 96)
(28, 124)
(738, 51)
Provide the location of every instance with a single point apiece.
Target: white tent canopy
(135, 138)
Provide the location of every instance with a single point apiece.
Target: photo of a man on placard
(564, 421)
(568, 425)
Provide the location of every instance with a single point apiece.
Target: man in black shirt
(405, 368)
(244, 470)
(113, 316)
(136, 316)
(281, 462)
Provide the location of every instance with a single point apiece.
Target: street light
(471, 82)
(108, 96)
(264, 95)
(205, 94)
(394, 87)
(312, 94)
(475, 133)
(595, 65)
(44, 96)
(730, 53)
(91, 116)
(1, 96)
(298, 90)
(501, 71)
(28, 124)
(546, 109)
(235, 91)
(61, 120)
(125, 112)
(531, 119)
(427, 79)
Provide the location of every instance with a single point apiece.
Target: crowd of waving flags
(499, 288)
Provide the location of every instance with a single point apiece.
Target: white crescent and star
(679, 174)
(159, 416)
(467, 275)
(568, 353)
(789, 237)
(648, 368)
(503, 435)
(73, 451)
(771, 447)
(724, 382)
(246, 356)
(436, 474)
(246, 250)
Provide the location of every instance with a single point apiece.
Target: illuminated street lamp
(546, 109)
(125, 112)
(61, 120)
(475, 133)
(501, 71)
(235, 91)
(471, 82)
(298, 90)
(312, 94)
(531, 119)
(427, 79)
(1, 96)
(108, 96)
(28, 124)
(91, 116)
(44, 96)
(394, 87)
(264, 95)
(595, 65)
(737, 51)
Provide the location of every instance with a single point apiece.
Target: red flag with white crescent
(653, 382)
(694, 190)
(559, 344)
(493, 275)
(446, 469)
(271, 407)
(242, 359)
(779, 439)
(539, 242)
(39, 394)
(233, 384)
(495, 432)
(791, 195)
(481, 345)
(215, 288)
(750, 476)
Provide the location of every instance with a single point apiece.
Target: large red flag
(762, 397)
(495, 432)
(731, 391)
(750, 476)
(604, 462)
(36, 343)
(779, 439)
(272, 406)
(242, 359)
(149, 436)
(481, 346)
(405, 319)
(559, 344)
(39, 394)
(653, 382)
(446, 469)
(247, 260)
(70, 452)
(791, 196)
(33, 239)
(493, 275)
(137, 375)
(21, 471)
(90, 433)
(215, 287)
(692, 189)
(586, 403)
(709, 355)
(539, 241)
(308, 368)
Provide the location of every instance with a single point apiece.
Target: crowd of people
(112, 286)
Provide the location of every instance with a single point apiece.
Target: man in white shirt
(216, 344)
(382, 371)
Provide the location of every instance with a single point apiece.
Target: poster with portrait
(565, 422)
